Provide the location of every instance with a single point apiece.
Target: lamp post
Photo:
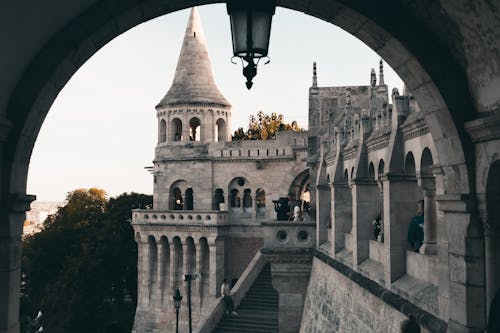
(188, 278)
(250, 30)
(177, 305)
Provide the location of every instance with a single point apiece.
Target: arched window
(177, 203)
(235, 200)
(410, 164)
(194, 129)
(371, 171)
(189, 199)
(220, 128)
(162, 136)
(247, 199)
(381, 168)
(260, 198)
(426, 160)
(219, 199)
(176, 130)
(346, 176)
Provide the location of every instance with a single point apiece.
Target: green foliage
(81, 270)
(264, 127)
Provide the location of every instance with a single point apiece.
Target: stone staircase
(258, 311)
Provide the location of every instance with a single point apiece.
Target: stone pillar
(323, 202)
(12, 216)
(217, 269)
(365, 208)
(464, 279)
(163, 278)
(492, 263)
(199, 267)
(312, 203)
(400, 203)
(341, 214)
(290, 277)
(142, 276)
(430, 228)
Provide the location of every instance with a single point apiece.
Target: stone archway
(430, 71)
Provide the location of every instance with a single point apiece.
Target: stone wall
(239, 253)
(336, 303)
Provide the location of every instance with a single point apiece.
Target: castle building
(211, 194)
(366, 161)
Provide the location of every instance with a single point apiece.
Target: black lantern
(250, 29)
(177, 306)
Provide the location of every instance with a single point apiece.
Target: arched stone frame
(247, 200)
(177, 195)
(371, 171)
(235, 189)
(381, 168)
(260, 202)
(346, 176)
(162, 131)
(152, 268)
(221, 130)
(409, 166)
(234, 199)
(164, 271)
(425, 73)
(219, 199)
(176, 130)
(195, 130)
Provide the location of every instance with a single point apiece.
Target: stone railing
(289, 234)
(191, 217)
(215, 312)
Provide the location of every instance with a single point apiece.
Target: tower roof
(194, 81)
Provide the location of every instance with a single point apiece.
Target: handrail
(215, 312)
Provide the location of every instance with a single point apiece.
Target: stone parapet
(180, 218)
(285, 234)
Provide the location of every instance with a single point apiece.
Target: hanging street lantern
(250, 30)
(177, 306)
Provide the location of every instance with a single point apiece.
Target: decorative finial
(381, 73)
(315, 77)
(373, 78)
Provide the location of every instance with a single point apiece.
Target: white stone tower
(193, 108)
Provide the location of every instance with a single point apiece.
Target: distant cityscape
(40, 210)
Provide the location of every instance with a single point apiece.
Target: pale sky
(101, 129)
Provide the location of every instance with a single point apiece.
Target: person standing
(226, 296)
(416, 228)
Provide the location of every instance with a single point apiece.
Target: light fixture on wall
(250, 30)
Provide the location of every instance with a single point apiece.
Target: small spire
(315, 77)
(381, 73)
(373, 78)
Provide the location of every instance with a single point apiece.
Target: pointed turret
(194, 81)
(315, 77)
(381, 74)
(373, 78)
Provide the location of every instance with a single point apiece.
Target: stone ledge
(424, 318)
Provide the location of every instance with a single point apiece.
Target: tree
(264, 127)
(81, 270)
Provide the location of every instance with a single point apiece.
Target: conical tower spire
(194, 81)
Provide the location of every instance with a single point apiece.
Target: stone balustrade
(176, 217)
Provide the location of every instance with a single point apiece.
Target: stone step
(258, 311)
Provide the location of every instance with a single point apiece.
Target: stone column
(290, 277)
(430, 228)
(341, 214)
(323, 202)
(365, 208)
(163, 279)
(199, 267)
(142, 276)
(217, 269)
(400, 193)
(12, 216)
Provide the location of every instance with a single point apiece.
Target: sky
(101, 130)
